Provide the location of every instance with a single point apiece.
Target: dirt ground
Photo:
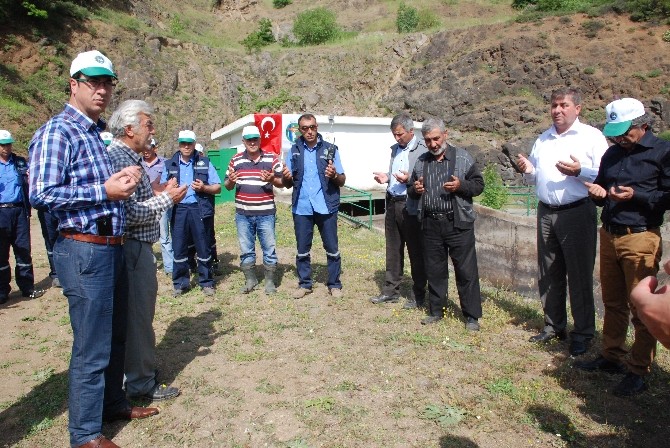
(261, 371)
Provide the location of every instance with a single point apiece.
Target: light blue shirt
(400, 163)
(186, 178)
(311, 199)
(10, 184)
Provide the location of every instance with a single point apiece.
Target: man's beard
(440, 150)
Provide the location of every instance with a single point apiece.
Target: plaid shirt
(68, 169)
(143, 208)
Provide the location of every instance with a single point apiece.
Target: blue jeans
(166, 241)
(93, 280)
(247, 229)
(304, 233)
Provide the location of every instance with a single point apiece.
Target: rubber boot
(250, 276)
(270, 287)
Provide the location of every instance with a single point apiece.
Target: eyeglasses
(95, 83)
(309, 128)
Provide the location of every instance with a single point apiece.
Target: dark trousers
(440, 241)
(211, 238)
(15, 233)
(49, 226)
(304, 234)
(186, 225)
(400, 229)
(566, 253)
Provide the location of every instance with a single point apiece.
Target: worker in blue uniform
(191, 217)
(14, 222)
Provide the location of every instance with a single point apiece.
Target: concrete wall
(507, 251)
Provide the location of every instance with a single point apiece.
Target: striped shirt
(143, 208)
(69, 165)
(254, 196)
(436, 199)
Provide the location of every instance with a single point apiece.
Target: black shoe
(631, 384)
(178, 292)
(602, 364)
(545, 336)
(472, 324)
(34, 294)
(384, 298)
(410, 304)
(4, 299)
(430, 320)
(160, 392)
(578, 347)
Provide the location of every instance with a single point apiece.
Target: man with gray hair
(401, 225)
(444, 180)
(133, 128)
(633, 187)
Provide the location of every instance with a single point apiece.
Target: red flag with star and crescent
(270, 126)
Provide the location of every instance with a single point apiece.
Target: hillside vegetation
(486, 66)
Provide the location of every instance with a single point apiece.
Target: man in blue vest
(14, 223)
(314, 170)
(191, 216)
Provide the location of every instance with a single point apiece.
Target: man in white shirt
(562, 159)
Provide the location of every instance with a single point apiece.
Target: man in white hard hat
(72, 175)
(14, 221)
(253, 173)
(192, 216)
(633, 187)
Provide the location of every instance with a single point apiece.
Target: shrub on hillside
(427, 20)
(407, 19)
(495, 193)
(316, 26)
(281, 3)
(261, 37)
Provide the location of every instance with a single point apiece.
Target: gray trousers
(140, 368)
(400, 229)
(566, 253)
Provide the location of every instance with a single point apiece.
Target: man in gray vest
(401, 225)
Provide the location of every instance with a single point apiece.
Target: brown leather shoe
(99, 442)
(131, 413)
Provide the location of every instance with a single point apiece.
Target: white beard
(439, 151)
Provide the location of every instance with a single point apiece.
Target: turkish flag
(270, 126)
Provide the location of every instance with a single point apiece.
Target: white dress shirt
(584, 142)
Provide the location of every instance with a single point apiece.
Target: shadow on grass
(525, 316)
(559, 425)
(185, 339)
(640, 421)
(451, 441)
(35, 411)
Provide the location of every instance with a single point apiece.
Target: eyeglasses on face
(309, 128)
(96, 83)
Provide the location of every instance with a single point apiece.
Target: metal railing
(522, 196)
(353, 200)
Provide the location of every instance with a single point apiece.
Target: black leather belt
(440, 215)
(616, 229)
(398, 198)
(11, 204)
(557, 208)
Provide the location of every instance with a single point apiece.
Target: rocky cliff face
(491, 83)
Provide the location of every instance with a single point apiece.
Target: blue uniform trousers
(15, 233)
(188, 225)
(304, 233)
